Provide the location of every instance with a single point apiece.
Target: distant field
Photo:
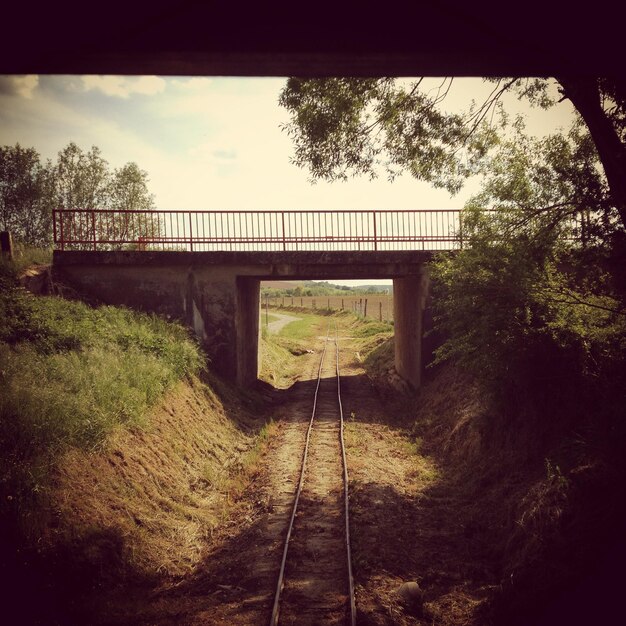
(280, 284)
(378, 307)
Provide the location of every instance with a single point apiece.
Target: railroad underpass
(218, 293)
(204, 268)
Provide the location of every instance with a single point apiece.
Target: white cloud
(124, 86)
(193, 83)
(22, 86)
(210, 151)
(206, 143)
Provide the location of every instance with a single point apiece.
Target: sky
(213, 142)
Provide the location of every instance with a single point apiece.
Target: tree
(362, 126)
(358, 126)
(602, 105)
(528, 300)
(26, 195)
(29, 191)
(129, 189)
(128, 192)
(82, 178)
(84, 181)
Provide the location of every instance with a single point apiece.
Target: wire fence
(373, 306)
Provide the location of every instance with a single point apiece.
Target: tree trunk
(585, 96)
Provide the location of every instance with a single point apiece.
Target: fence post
(342, 304)
(380, 311)
(190, 234)
(365, 310)
(6, 244)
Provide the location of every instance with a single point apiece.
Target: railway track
(315, 584)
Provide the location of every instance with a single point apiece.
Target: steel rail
(345, 488)
(281, 576)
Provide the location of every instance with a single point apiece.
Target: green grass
(277, 362)
(25, 256)
(374, 340)
(378, 354)
(369, 328)
(305, 328)
(280, 351)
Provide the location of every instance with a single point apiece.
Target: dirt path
(275, 326)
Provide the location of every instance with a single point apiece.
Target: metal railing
(80, 229)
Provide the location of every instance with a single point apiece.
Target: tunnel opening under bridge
(405, 305)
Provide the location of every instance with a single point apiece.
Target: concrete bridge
(217, 292)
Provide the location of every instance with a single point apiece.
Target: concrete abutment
(247, 330)
(409, 301)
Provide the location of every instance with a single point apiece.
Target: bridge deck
(303, 265)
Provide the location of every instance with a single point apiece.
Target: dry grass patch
(160, 491)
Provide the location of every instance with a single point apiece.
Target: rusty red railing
(437, 229)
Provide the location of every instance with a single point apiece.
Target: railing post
(190, 233)
(284, 241)
(62, 236)
(54, 226)
(93, 228)
(375, 237)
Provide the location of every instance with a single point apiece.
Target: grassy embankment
(535, 508)
(538, 498)
(537, 495)
(121, 454)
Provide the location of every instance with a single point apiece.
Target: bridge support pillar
(409, 298)
(247, 330)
